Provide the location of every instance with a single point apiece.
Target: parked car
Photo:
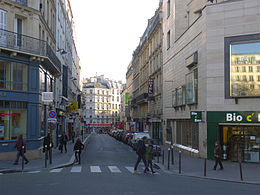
(137, 137)
(156, 146)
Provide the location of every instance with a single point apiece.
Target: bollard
(163, 157)
(172, 155)
(157, 155)
(205, 167)
(241, 174)
(50, 153)
(169, 150)
(22, 158)
(179, 162)
(46, 156)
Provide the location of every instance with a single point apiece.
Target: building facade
(102, 101)
(210, 91)
(28, 67)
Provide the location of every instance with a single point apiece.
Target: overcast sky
(108, 32)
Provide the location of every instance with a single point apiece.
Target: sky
(107, 33)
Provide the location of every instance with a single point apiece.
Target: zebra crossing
(94, 169)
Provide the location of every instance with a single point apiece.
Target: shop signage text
(234, 117)
(196, 116)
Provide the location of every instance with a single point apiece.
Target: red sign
(52, 114)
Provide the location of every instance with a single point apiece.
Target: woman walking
(77, 148)
(149, 157)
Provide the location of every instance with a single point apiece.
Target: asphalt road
(106, 169)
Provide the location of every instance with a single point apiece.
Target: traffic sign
(52, 114)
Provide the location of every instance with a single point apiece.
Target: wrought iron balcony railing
(22, 2)
(29, 45)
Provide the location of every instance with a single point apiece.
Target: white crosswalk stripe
(95, 169)
(131, 169)
(76, 169)
(56, 170)
(34, 171)
(114, 169)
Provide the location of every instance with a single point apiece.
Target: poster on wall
(2, 130)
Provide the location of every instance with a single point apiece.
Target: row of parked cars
(131, 138)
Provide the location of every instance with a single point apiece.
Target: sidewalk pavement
(58, 160)
(194, 167)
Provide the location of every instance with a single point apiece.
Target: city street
(107, 168)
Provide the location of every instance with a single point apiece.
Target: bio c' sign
(236, 117)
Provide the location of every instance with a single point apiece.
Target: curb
(68, 164)
(72, 159)
(206, 177)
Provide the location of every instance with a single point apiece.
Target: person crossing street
(78, 147)
(141, 153)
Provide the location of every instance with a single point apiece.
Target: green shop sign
(196, 116)
(234, 117)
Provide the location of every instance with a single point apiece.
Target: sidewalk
(194, 167)
(58, 160)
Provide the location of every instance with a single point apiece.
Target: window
(18, 29)
(247, 56)
(237, 78)
(258, 78)
(3, 25)
(237, 69)
(174, 102)
(168, 8)
(13, 76)
(187, 133)
(13, 119)
(168, 39)
(117, 92)
(192, 87)
(118, 98)
(91, 91)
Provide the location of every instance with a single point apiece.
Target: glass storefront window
(18, 123)
(4, 124)
(13, 119)
(245, 56)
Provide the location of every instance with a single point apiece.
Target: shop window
(187, 134)
(13, 120)
(242, 52)
(192, 87)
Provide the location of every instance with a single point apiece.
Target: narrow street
(107, 168)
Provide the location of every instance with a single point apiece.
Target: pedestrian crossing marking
(95, 169)
(114, 169)
(56, 170)
(76, 169)
(131, 169)
(34, 171)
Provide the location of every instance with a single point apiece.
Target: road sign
(47, 97)
(52, 114)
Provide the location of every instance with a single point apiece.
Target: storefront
(238, 132)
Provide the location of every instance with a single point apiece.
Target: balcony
(38, 49)
(22, 2)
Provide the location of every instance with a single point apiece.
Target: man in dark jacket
(217, 155)
(20, 146)
(47, 144)
(77, 148)
(141, 153)
(63, 142)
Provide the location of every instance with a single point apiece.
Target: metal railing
(22, 2)
(26, 44)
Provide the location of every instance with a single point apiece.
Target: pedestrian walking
(149, 157)
(20, 146)
(78, 147)
(73, 136)
(217, 155)
(141, 153)
(47, 144)
(63, 142)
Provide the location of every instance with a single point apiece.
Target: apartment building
(102, 101)
(210, 77)
(28, 67)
